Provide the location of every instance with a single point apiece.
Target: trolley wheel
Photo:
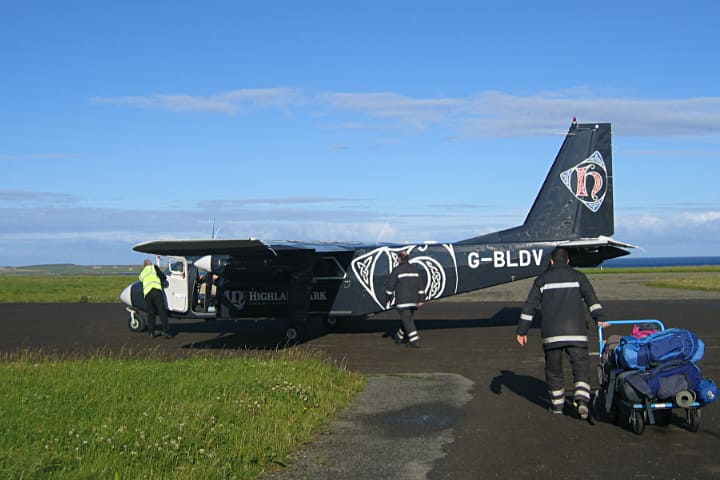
(693, 419)
(293, 334)
(137, 322)
(637, 421)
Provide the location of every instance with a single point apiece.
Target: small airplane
(295, 281)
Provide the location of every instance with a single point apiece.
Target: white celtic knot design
(365, 268)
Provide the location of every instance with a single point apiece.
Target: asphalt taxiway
(469, 404)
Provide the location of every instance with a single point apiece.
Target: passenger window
(177, 267)
(328, 268)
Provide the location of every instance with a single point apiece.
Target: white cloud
(236, 203)
(499, 114)
(101, 235)
(416, 113)
(485, 114)
(668, 220)
(703, 218)
(672, 153)
(231, 102)
(24, 197)
(671, 232)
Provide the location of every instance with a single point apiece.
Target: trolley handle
(601, 340)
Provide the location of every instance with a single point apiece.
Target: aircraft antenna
(381, 233)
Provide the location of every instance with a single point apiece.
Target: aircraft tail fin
(576, 199)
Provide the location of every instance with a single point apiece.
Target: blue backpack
(662, 382)
(664, 346)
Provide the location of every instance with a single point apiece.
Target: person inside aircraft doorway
(405, 286)
(152, 280)
(562, 294)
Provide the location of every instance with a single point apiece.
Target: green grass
(107, 288)
(62, 289)
(703, 278)
(687, 269)
(207, 417)
(705, 283)
(72, 269)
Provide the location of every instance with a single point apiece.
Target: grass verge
(705, 283)
(65, 289)
(702, 278)
(206, 417)
(107, 288)
(686, 269)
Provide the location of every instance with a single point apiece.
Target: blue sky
(130, 121)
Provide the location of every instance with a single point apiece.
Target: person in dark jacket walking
(405, 286)
(562, 295)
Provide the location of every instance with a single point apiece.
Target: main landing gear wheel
(137, 322)
(333, 323)
(293, 334)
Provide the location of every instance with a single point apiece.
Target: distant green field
(62, 289)
(71, 269)
(708, 282)
(50, 287)
(688, 269)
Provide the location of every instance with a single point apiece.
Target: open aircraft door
(176, 292)
(329, 278)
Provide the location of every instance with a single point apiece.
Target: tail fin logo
(588, 181)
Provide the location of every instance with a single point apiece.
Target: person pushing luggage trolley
(562, 293)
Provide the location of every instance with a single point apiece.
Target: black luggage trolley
(610, 400)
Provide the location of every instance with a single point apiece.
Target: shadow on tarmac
(531, 388)
(268, 334)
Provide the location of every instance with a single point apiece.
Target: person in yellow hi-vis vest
(152, 281)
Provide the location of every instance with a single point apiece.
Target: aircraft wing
(239, 248)
(235, 258)
(187, 248)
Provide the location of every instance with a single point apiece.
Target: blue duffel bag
(664, 346)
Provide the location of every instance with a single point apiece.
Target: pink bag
(642, 331)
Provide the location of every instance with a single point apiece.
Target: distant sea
(631, 261)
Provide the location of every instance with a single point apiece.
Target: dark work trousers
(408, 325)
(156, 306)
(580, 365)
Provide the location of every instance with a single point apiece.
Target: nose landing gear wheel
(137, 322)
